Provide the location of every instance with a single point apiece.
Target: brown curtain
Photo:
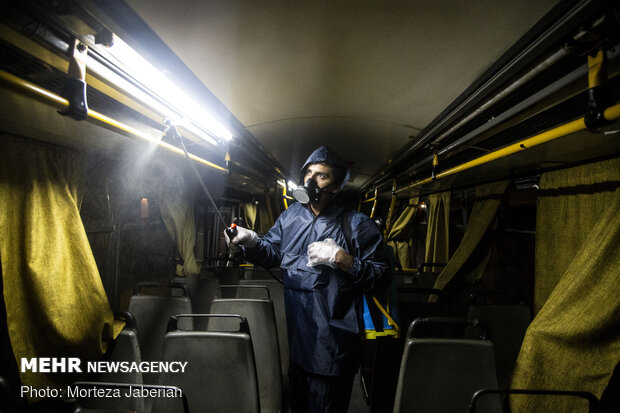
(175, 199)
(266, 213)
(488, 199)
(400, 232)
(437, 234)
(570, 203)
(55, 302)
(401, 252)
(574, 341)
(250, 210)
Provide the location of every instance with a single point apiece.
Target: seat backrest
(260, 274)
(152, 313)
(262, 322)
(508, 324)
(202, 290)
(442, 374)
(276, 291)
(413, 303)
(8, 396)
(220, 374)
(124, 349)
(228, 275)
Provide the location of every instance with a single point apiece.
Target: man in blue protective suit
(323, 283)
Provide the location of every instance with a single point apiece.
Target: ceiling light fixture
(177, 105)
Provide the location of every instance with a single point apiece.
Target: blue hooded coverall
(323, 305)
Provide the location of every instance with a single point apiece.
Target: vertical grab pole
(374, 204)
(388, 220)
(284, 196)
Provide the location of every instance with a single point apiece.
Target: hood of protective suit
(328, 156)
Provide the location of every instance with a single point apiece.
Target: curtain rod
(611, 114)
(529, 175)
(97, 118)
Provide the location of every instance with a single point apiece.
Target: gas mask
(308, 193)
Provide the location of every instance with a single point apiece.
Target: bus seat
(260, 273)
(261, 318)
(276, 291)
(508, 324)
(152, 313)
(442, 374)
(426, 278)
(202, 291)
(124, 348)
(593, 404)
(228, 275)
(220, 374)
(8, 396)
(413, 303)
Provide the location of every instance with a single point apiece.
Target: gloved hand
(245, 237)
(323, 252)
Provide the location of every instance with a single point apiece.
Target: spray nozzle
(231, 231)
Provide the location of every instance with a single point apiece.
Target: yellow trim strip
(52, 99)
(372, 334)
(386, 314)
(388, 220)
(611, 114)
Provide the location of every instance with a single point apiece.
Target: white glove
(245, 237)
(323, 252)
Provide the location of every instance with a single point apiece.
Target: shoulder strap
(375, 313)
(346, 230)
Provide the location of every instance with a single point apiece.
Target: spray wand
(231, 231)
(171, 130)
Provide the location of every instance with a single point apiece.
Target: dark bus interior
(482, 137)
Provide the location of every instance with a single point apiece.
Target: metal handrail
(611, 114)
(61, 103)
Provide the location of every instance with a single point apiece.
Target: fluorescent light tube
(179, 107)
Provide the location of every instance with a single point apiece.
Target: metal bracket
(435, 167)
(599, 93)
(74, 89)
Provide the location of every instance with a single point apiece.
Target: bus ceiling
(416, 96)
